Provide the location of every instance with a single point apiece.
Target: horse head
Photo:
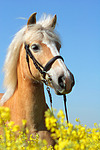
(42, 43)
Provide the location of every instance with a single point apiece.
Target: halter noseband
(43, 71)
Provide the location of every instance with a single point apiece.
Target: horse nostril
(73, 83)
(61, 82)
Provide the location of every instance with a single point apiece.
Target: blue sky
(79, 29)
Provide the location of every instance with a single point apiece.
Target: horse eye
(35, 47)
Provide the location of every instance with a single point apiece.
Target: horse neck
(29, 102)
(32, 100)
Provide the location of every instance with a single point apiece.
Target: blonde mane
(39, 31)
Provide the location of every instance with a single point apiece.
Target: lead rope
(64, 96)
(50, 97)
(65, 107)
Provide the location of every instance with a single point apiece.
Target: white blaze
(61, 67)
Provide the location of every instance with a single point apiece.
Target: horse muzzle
(64, 84)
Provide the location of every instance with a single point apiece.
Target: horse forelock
(38, 31)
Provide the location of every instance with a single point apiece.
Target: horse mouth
(58, 90)
(62, 92)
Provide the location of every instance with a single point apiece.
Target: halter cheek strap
(35, 62)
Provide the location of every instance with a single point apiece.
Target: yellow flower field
(66, 135)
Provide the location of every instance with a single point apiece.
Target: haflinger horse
(33, 59)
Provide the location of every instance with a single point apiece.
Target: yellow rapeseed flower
(15, 128)
(66, 135)
(24, 122)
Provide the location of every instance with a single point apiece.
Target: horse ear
(32, 19)
(53, 22)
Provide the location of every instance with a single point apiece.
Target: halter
(43, 71)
